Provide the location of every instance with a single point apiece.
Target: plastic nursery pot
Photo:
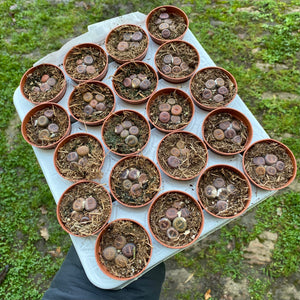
(123, 249)
(84, 208)
(176, 61)
(224, 191)
(175, 219)
(135, 82)
(125, 132)
(79, 156)
(227, 131)
(269, 164)
(45, 125)
(127, 43)
(134, 181)
(170, 109)
(165, 23)
(43, 83)
(213, 87)
(86, 61)
(91, 102)
(182, 155)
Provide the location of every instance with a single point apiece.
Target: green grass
(37, 28)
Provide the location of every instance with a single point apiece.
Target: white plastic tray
(85, 246)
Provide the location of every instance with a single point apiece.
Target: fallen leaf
(279, 211)
(207, 294)
(44, 233)
(43, 210)
(56, 252)
(189, 278)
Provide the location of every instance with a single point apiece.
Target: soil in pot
(44, 83)
(135, 81)
(80, 157)
(269, 165)
(127, 42)
(85, 208)
(124, 248)
(85, 63)
(225, 133)
(91, 102)
(135, 181)
(125, 132)
(177, 59)
(166, 25)
(170, 111)
(223, 192)
(175, 219)
(182, 155)
(47, 126)
(213, 88)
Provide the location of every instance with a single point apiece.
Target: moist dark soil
(133, 233)
(91, 163)
(185, 52)
(147, 181)
(115, 142)
(226, 145)
(85, 223)
(269, 181)
(198, 86)
(33, 83)
(234, 193)
(177, 25)
(192, 155)
(133, 70)
(33, 129)
(77, 104)
(179, 202)
(123, 33)
(76, 58)
(185, 116)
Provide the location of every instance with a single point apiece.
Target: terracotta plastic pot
(283, 154)
(174, 46)
(198, 99)
(238, 116)
(28, 120)
(171, 10)
(122, 72)
(152, 181)
(182, 154)
(99, 192)
(40, 71)
(194, 214)
(154, 119)
(98, 75)
(87, 87)
(108, 230)
(118, 117)
(240, 175)
(85, 173)
(125, 58)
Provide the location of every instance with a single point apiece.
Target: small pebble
(90, 203)
(129, 250)
(164, 223)
(109, 253)
(173, 161)
(83, 150)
